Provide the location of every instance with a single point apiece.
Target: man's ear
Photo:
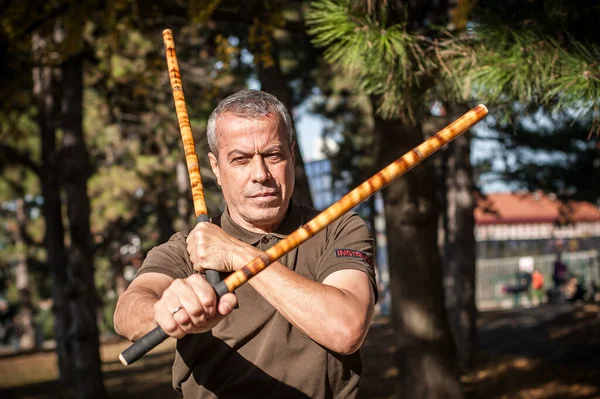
(214, 165)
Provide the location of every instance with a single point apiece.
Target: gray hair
(249, 104)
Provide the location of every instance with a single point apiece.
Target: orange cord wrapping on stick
(185, 128)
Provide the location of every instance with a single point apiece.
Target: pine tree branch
(490, 63)
(526, 68)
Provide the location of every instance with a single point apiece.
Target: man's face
(255, 169)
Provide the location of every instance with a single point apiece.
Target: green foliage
(45, 319)
(112, 191)
(12, 294)
(489, 62)
(506, 66)
(385, 60)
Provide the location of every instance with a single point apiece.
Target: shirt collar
(293, 219)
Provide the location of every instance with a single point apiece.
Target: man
(560, 273)
(300, 322)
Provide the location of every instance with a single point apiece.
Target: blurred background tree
(93, 174)
(91, 148)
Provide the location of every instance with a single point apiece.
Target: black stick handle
(143, 346)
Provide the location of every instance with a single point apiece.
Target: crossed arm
(335, 314)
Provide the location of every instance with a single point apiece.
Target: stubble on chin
(267, 214)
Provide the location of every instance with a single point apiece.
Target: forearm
(332, 317)
(134, 313)
(335, 313)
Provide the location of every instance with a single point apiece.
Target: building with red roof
(517, 224)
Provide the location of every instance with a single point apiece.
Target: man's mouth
(264, 194)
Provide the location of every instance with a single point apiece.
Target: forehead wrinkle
(270, 149)
(240, 121)
(244, 129)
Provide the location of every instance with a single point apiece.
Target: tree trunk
(83, 331)
(273, 81)
(458, 247)
(45, 90)
(26, 329)
(425, 355)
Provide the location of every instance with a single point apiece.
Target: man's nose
(260, 170)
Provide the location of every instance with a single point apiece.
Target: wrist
(245, 255)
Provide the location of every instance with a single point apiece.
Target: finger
(164, 318)
(181, 317)
(180, 295)
(193, 307)
(177, 297)
(205, 294)
(191, 243)
(192, 254)
(227, 303)
(195, 256)
(184, 321)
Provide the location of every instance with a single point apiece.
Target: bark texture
(25, 325)
(458, 247)
(47, 93)
(82, 300)
(425, 357)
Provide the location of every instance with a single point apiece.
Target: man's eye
(275, 157)
(239, 160)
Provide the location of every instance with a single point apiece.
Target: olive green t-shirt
(255, 351)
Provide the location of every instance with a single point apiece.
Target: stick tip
(122, 359)
(483, 107)
(167, 32)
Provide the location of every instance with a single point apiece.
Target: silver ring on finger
(177, 309)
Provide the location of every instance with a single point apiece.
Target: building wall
(505, 240)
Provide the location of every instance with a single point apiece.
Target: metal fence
(493, 274)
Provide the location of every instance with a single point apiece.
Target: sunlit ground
(544, 352)
(34, 375)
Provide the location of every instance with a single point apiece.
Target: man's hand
(189, 306)
(210, 247)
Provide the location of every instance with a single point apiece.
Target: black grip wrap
(212, 276)
(202, 218)
(143, 346)
(221, 289)
(156, 336)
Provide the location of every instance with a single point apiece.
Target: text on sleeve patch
(352, 253)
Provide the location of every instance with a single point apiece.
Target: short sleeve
(170, 258)
(349, 246)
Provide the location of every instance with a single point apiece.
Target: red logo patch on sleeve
(352, 253)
